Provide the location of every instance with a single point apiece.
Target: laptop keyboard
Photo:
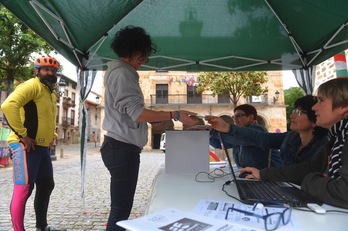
(263, 189)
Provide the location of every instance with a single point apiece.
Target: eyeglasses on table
(271, 220)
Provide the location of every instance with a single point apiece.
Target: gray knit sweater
(124, 103)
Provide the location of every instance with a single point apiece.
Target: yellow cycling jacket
(31, 111)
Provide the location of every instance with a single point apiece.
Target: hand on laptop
(253, 173)
(243, 175)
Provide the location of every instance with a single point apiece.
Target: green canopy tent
(193, 35)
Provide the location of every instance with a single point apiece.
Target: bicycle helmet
(46, 61)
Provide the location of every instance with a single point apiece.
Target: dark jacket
(309, 175)
(244, 154)
(288, 143)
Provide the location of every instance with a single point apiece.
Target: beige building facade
(67, 123)
(68, 115)
(172, 91)
(177, 86)
(326, 70)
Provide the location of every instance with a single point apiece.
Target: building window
(96, 118)
(256, 99)
(192, 96)
(223, 99)
(161, 93)
(65, 120)
(72, 117)
(65, 113)
(57, 116)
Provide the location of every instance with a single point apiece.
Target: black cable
(211, 176)
(223, 189)
(211, 180)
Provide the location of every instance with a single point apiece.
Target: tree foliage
(17, 44)
(233, 84)
(290, 96)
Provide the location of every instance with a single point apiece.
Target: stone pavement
(66, 208)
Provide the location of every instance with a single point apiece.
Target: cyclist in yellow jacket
(31, 113)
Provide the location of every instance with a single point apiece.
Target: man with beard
(31, 113)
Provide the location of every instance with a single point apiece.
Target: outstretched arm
(244, 135)
(155, 116)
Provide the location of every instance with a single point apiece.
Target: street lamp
(276, 97)
(61, 88)
(60, 85)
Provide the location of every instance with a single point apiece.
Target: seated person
(326, 175)
(296, 146)
(245, 154)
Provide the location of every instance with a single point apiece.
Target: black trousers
(122, 160)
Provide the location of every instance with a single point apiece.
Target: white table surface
(181, 191)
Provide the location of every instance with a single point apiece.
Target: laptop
(251, 191)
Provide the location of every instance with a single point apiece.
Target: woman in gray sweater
(126, 119)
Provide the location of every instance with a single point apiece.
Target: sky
(69, 70)
(289, 80)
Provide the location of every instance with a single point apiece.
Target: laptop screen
(228, 157)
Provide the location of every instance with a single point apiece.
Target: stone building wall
(273, 113)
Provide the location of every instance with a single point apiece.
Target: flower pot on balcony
(71, 104)
(66, 99)
(66, 102)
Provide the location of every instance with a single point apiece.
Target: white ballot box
(187, 151)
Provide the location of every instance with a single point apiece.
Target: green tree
(17, 44)
(233, 84)
(290, 96)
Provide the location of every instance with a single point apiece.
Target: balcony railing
(67, 121)
(208, 99)
(68, 102)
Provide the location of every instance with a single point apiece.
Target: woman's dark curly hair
(130, 41)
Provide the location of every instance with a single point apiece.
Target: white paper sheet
(175, 220)
(218, 209)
